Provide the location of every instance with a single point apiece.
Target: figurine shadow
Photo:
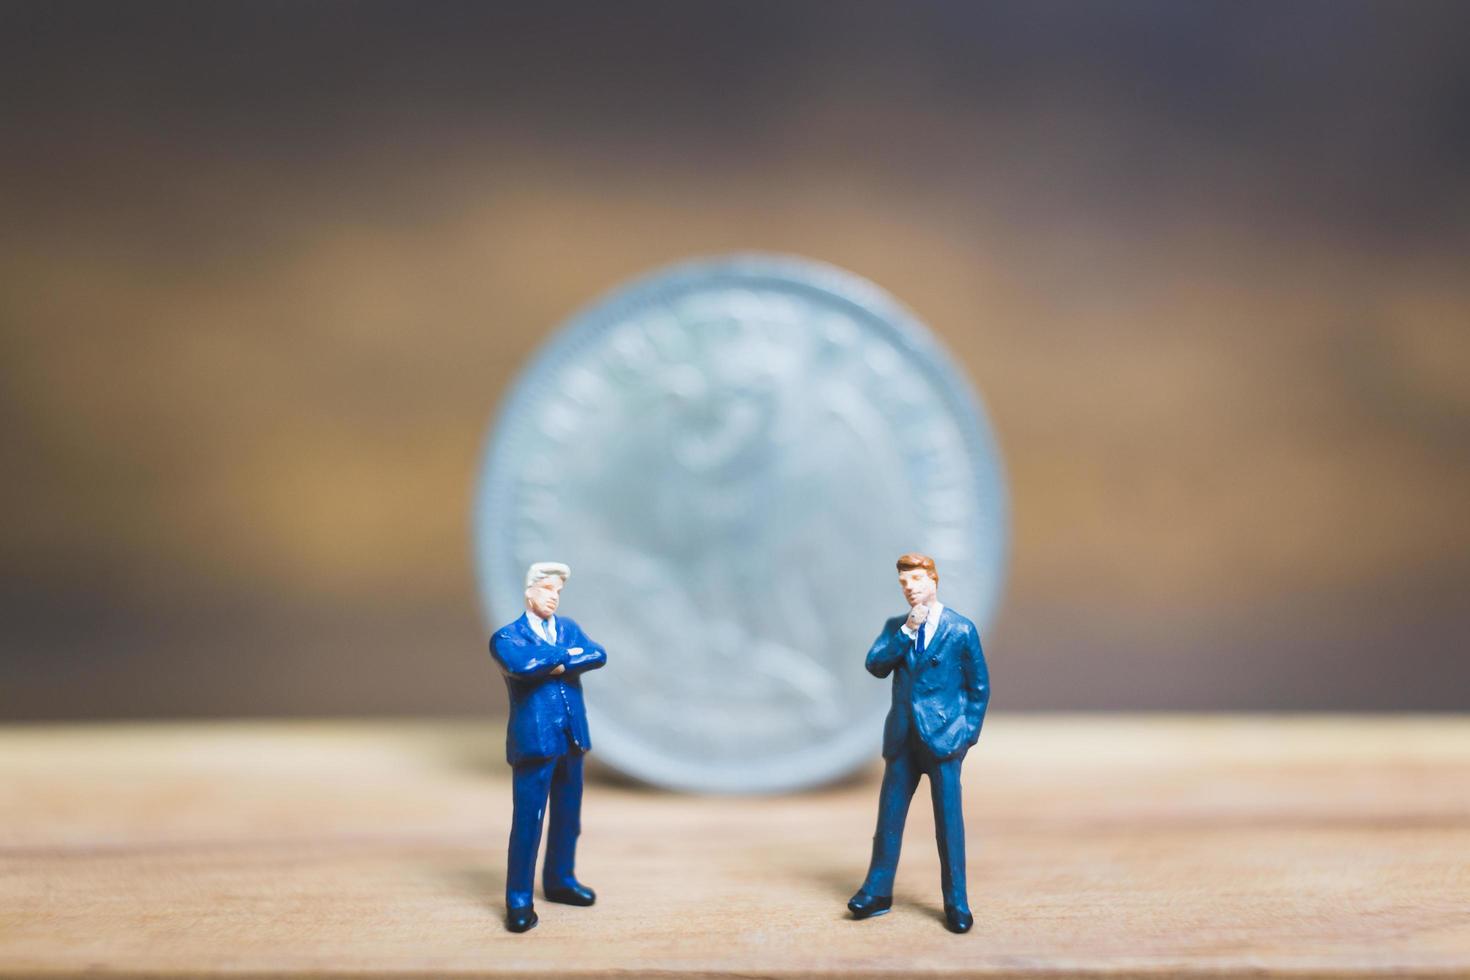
(843, 884)
(485, 885)
(839, 884)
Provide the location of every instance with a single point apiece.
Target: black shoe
(865, 906)
(572, 894)
(520, 919)
(957, 919)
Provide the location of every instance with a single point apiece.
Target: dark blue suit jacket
(942, 694)
(545, 711)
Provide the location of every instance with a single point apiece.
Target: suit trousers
(900, 779)
(534, 783)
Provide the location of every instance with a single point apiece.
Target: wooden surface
(1122, 845)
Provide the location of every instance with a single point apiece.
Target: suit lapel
(931, 643)
(941, 633)
(529, 633)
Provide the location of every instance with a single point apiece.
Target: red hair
(915, 560)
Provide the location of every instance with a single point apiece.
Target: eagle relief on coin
(730, 454)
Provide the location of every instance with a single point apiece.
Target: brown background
(265, 270)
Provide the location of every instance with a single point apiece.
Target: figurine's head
(918, 578)
(544, 581)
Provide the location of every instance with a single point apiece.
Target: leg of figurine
(558, 877)
(565, 821)
(530, 783)
(949, 832)
(900, 779)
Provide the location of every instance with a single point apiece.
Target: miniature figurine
(543, 656)
(940, 690)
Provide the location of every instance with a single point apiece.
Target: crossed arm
(528, 660)
(582, 653)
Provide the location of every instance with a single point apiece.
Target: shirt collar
(539, 626)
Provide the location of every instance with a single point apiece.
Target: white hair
(547, 569)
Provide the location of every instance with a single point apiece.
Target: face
(543, 597)
(918, 587)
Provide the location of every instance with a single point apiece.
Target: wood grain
(1116, 845)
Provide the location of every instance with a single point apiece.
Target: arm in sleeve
(977, 685)
(887, 651)
(523, 660)
(592, 655)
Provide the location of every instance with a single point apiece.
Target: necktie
(921, 636)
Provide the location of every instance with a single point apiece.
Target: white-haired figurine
(543, 656)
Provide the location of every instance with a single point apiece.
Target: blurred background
(266, 269)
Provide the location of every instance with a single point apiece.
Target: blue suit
(940, 692)
(544, 743)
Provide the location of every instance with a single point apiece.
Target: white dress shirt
(544, 628)
(930, 625)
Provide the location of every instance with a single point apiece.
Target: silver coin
(731, 454)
